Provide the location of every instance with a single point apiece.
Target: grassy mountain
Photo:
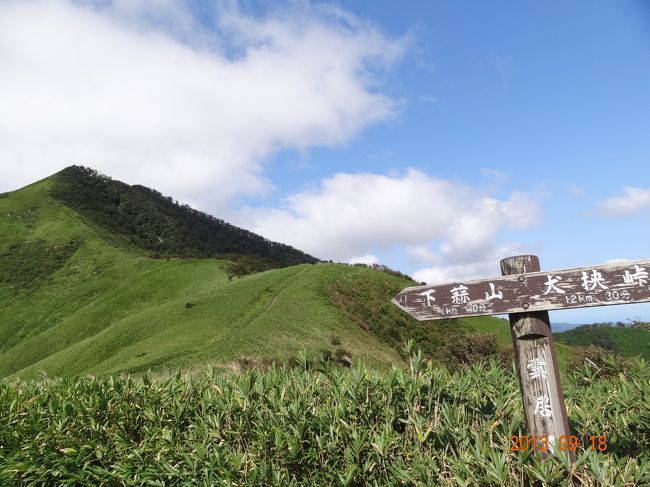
(83, 292)
(97, 307)
(627, 341)
(161, 226)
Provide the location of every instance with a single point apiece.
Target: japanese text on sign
(619, 283)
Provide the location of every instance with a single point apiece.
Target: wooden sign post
(526, 294)
(539, 377)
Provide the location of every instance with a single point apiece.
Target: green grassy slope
(489, 324)
(625, 341)
(76, 299)
(108, 309)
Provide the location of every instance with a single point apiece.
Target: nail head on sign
(525, 305)
(522, 278)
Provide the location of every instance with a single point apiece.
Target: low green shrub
(596, 361)
(417, 425)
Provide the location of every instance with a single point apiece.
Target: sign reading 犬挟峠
(620, 283)
(526, 294)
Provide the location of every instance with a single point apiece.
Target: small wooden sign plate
(602, 285)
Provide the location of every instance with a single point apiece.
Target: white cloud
(355, 214)
(367, 259)
(140, 91)
(484, 265)
(635, 199)
(420, 254)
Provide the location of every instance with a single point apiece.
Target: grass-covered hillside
(85, 299)
(76, 297)
(623, 340)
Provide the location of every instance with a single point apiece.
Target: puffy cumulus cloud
(367, 259)
(355, 214)
(635, 199)
(445, 269)
(142, 91)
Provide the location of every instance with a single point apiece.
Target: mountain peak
(159, 225)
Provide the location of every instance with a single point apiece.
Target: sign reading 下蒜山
(526, 294)
(602, 285)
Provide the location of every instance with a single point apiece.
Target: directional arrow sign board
(603, 285)
(525, 294)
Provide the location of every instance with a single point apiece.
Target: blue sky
(434, 137)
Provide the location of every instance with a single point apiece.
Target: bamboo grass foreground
(315, 426)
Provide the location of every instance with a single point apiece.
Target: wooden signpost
(526, 295)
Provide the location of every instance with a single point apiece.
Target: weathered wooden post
(539, 378)
(526, 294)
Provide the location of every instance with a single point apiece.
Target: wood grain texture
(536, 362)
(527, 290)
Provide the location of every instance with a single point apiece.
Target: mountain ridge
(76, 298)
(161, 226)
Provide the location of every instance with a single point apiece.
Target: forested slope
(160, 225)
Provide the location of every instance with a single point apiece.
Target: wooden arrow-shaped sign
(602, 285)
(526, 294)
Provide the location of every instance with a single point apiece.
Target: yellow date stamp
(564, 443)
